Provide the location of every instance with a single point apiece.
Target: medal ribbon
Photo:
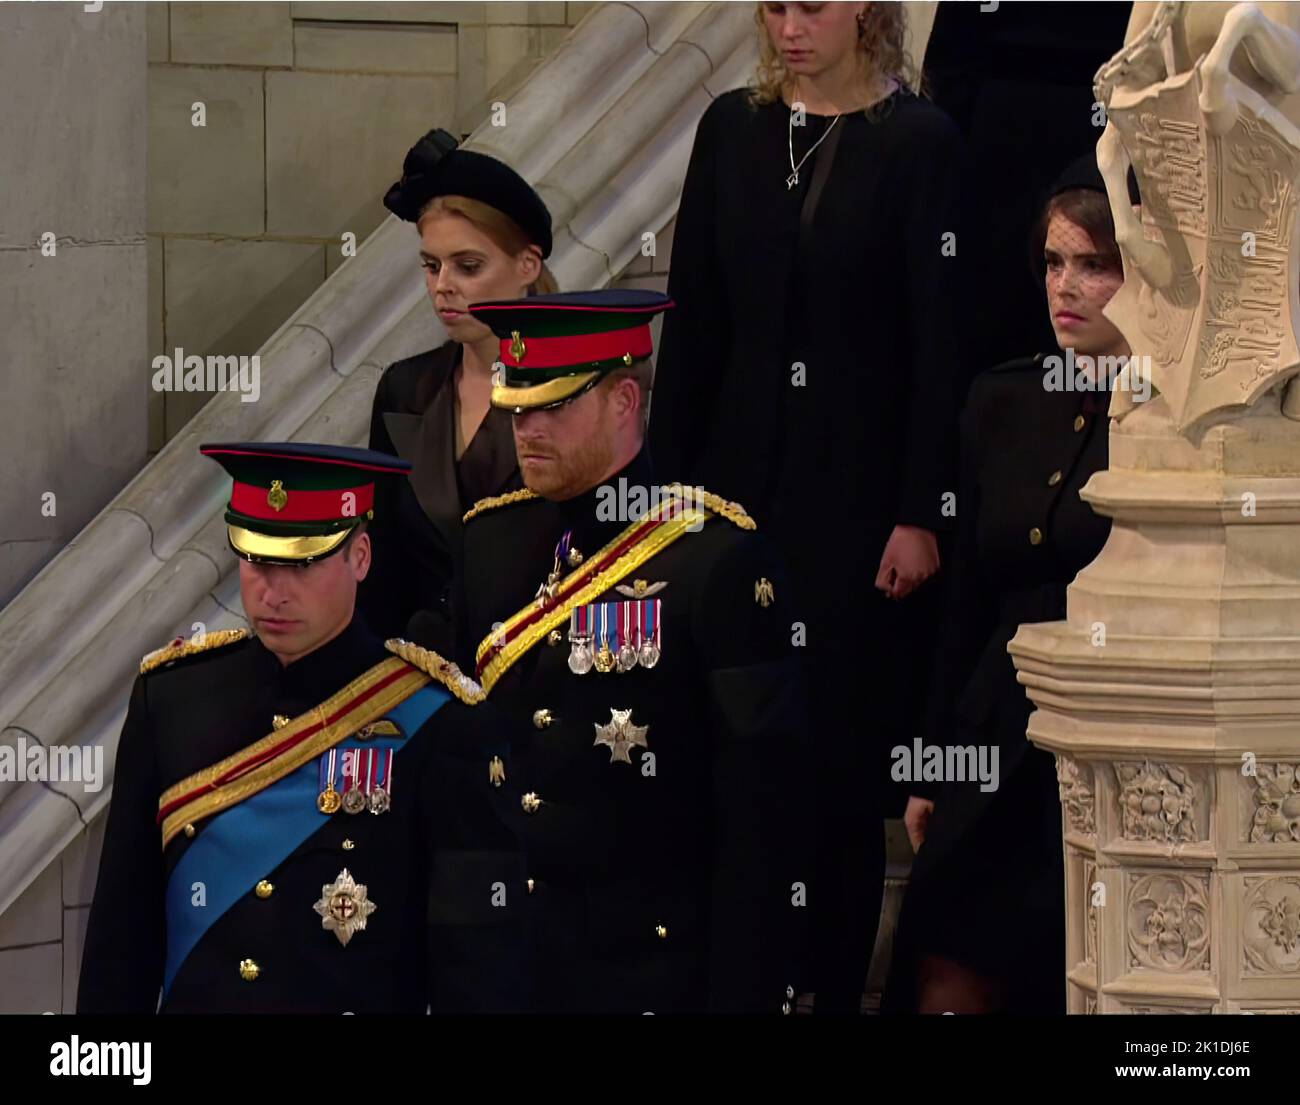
(632, 548)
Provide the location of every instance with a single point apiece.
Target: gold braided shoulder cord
(444, 671)
(484, 505)
(189, 647)
(250, 775)
(725, 508)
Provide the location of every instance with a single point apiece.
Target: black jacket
(417, 529)
(198, 710)
(1023, 533)
(675, 880)
(987, 886)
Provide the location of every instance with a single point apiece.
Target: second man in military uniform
(659, 798)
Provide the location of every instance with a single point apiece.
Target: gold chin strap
(541, 395)
(260, 546)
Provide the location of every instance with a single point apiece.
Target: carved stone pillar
(1171, 694)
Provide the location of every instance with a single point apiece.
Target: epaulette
(484, 505)
(1018, 363)
(444, 671)
(188, 646)
(732, 512)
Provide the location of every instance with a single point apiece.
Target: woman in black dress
(808, 372)
(983, 923)
(484, 234)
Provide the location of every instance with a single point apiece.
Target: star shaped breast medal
(344, 907)
(621, 735)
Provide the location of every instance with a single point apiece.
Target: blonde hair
(881, 52)
(505, 233)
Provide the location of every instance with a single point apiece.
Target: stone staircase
(603, 129)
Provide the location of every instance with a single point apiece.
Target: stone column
(74, 346)
(1171, 694)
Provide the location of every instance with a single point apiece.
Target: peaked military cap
(295, 502)
(555, 347)
(434, 166)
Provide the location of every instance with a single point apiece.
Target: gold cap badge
(517, 347)
(277, 496)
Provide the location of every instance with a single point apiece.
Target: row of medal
(366, 781)
(615, 636)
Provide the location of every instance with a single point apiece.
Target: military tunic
(660, 808)
(268, 952)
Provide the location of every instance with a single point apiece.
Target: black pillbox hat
(435, 166)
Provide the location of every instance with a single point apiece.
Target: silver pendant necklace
(793, 178)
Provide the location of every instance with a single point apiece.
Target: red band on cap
(578, 349)
(302, 506)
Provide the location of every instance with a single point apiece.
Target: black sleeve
(762, 788)
(383, 402)
(970, 614)
(122, 962)
(933, 156)
(695, 334)
(384, 596)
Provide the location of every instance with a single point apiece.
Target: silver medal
(580, 657)
(649, 654)
(626, 658)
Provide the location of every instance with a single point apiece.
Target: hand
(915, 819)
(911, 557)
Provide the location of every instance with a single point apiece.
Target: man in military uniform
(658, 796)
(289, 811)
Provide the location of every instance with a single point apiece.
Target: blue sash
(248, 841)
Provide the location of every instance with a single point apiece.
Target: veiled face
(1080, 282)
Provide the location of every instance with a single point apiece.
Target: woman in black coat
(983, 922)
(808, 372)
(484, 234)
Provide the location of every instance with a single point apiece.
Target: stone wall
(310, 108)
(72, 272)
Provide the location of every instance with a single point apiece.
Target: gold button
(1054, 478)
(542, 718)
(1079, 422)
(249, 970)
(190, 830)
(554, 637)
(279, 721)
(531, 802)
(264, 889)
(661, 931)
(496, 771)
(1035, 536)
(348, 845)
(531, 886)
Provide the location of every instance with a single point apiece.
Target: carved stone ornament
(1270, 939)
(1277, 804)
(1169, 923)
(1156, 802)
(1077, 795)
